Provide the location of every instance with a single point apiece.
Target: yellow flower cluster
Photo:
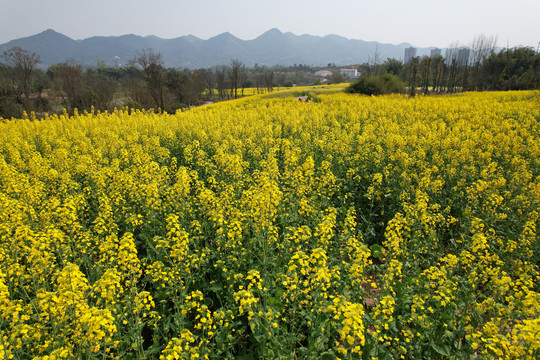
(264, 227)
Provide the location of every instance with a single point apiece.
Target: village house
(323, 73)
(350, 73)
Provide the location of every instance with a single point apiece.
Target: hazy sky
(419, 22)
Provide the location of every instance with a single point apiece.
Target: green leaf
(328, 356)
(272, 301)
(376, 250)
(260, 338)
(441, 349)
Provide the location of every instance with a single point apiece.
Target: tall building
(410, 54)
(435, 52)
(463, 56)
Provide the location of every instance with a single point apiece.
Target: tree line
(143, 83)
(476, 68)
(508, 69)
(146, 83)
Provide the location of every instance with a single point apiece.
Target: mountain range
(271, 48)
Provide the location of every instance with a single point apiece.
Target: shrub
(10, 107)
(377, 85)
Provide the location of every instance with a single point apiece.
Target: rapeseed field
(353, 228)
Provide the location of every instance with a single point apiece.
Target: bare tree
(426, 69)
(209, 79)
(269, 80)
(68, 81)
(137, 91)
(21, 65)
(451, 57)
(197, 85)
(260, 83)
(178, 84)
(438, 72)
(482, 45)
(101, 87)
(221, 72)
(149, 64)
(234, 73)
(413, 77)
(375, 60)
(243, 77)
(337, 77)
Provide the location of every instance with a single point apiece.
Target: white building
(350, 73)
(323, 73)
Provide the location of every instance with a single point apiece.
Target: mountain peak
(225, 34)
(272, 33)
(191, 38)
(337, 38)
(50, 33)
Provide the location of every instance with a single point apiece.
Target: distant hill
(271, 48)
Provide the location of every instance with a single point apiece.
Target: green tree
(512, 69)
(393, 66)
(426, 71)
